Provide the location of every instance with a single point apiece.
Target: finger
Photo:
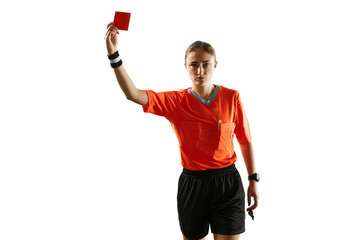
(252, 207)
(114, 32)
(249, 199)
(109, 36)
(113, 29)
(110, 31)
(110, 24)
(106, 35)
(255, 204)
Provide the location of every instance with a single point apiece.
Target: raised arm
(131, 92)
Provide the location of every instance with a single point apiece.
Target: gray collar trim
(202, 100)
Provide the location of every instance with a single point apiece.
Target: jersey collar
(217, 87)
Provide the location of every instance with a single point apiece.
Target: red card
(121, 20)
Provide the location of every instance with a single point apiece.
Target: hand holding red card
(121, 20)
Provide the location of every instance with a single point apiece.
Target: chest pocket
(226, 136)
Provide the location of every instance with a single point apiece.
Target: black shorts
(214, 197)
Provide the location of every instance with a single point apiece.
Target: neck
(205, 92)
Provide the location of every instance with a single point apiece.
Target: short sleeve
(242, 128)
(162, 103)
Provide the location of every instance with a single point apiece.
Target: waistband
(211, 172)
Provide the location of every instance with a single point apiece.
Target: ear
(185, 65)
(215, 64)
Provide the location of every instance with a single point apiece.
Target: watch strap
(255, 177)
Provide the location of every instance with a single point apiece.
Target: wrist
(115, 60)
(254, 177)
(111, 52)
(252, 182)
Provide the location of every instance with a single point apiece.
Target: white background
(80, 161)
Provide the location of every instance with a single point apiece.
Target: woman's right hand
(111, 38)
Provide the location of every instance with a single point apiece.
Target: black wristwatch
(255, 177)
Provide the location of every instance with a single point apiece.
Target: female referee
(205, 118)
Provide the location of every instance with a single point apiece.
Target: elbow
(140, 97)
(132, 99)
(132, 95)
(129, 97)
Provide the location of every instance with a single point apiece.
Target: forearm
(125, 83)
(248, 155)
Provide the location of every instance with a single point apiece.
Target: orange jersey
(205, 129)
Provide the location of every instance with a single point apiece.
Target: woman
(204, 117)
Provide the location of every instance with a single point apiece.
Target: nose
(200, 70)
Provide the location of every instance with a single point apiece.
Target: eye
(206, 64)
(193, 64)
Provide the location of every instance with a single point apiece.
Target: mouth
(200, 78)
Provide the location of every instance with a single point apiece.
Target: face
(200, 66)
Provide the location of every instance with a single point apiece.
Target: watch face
(255, 177)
